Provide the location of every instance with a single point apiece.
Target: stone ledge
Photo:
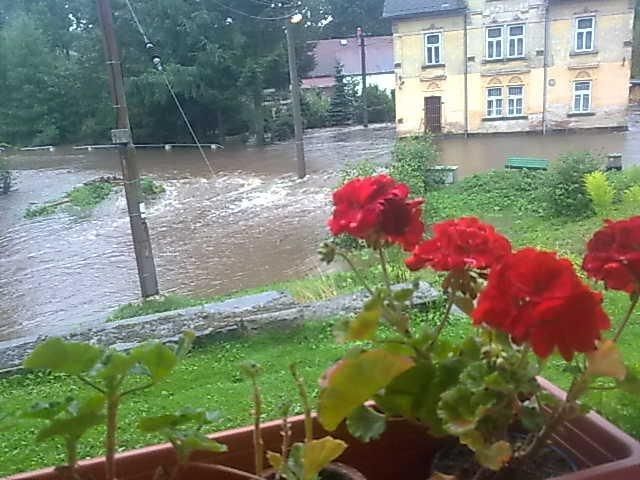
(214, 321)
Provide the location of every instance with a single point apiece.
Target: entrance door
(433, 114)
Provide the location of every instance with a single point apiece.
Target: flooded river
(252, 222)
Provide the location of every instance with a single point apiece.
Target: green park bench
(529, 163)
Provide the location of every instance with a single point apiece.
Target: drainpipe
(545, 68)
(466, 76)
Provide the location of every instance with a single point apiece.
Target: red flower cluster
(613, 255)
(376, 209)
(462, 243)
(538, 298)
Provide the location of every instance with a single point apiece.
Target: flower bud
(327, 252)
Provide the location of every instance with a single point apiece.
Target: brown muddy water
(250, 224)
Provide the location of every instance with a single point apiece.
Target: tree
(342, 101)
(346, 15)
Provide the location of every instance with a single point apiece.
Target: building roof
(408, 8)
(346, 52)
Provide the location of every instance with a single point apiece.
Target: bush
(632, 196)
(315, 109)
(565, 192)
(282, 127)
(600, 191)
(380, 106)
(410, 158)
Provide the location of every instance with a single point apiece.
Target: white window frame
(583, 31)
(493, 110)
(433, 47)
(582, 94)
(494, 41)
(516, 39)
(512, 102)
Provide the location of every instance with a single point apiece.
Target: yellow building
(485, 66)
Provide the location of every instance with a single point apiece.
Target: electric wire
(158, 66)
(245, 14)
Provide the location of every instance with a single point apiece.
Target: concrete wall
(608, 67)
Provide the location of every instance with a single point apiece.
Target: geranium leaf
(461, 408)
(59, 355)
(354, 380)
(320, 453)
(495, 456)
(403, 295)
(276, 461)
(185, 344)
(114, 364)
(364, 325)
(157, 358)
(366, 424)
(606, 361)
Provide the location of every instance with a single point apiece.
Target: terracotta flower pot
(404, 452)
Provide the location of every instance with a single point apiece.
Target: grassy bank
(89, 196)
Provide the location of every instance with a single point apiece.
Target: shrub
(599, 190)
(632, 196)
(282, 127)
(151, 188)
(565, 192)
(411, 157)
(380, 106)
(315, 109)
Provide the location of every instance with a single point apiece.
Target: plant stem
(304, 396)
(72, 456)
(359, 276)
(632, 306)
(444, 321)
(258, 442)
(91, 384)
(385, 272)
(113, 402)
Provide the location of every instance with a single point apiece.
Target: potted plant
(482, 391)
(112, 376)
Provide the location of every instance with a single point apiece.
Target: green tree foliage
(411, 157)
(341, 109)
(347, 15)
(380, 105)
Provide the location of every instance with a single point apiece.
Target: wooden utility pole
(121, 137)
(295, 102)
(363, 61)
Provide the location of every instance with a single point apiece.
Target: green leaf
(186, 416)
(185, 344)
(461, 408)
(73, 358)
(416, 393)
(366, 424)
(403, 295)
(195, 441)
(157, 358)
(75, 420)
(353, 381)
(320, 453)
(47, 410)
(364, 325)
(113, 365)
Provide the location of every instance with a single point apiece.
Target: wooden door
(433, 114)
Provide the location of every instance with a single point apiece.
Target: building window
(494, 42)
(515, 40)
(515, 100)
(585, 27)
(494, 102)
(582, 97)
(433, 48)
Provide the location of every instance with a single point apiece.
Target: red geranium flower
(613, 255)
(462, 243)
(538, 298)
(376, 209)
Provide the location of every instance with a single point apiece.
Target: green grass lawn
(210, 377)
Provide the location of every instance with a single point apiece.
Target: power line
(245, 14)
(157, 62)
